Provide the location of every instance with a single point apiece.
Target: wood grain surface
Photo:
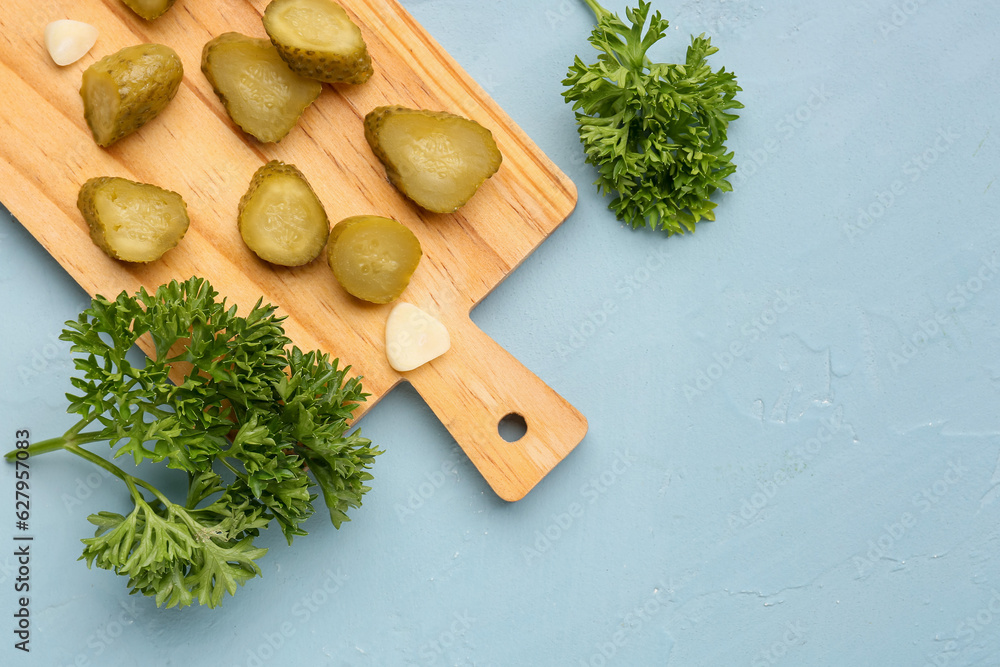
(46, 153)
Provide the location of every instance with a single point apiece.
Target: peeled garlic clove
(412, 337)
(67, 41)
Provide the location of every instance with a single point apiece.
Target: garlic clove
(412, 337)
(67, 41)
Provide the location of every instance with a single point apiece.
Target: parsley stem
(130, 480)
(55, 444)
(232, 468)
(599, 12)
(71, 442)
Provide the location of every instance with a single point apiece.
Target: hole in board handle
(512, 427)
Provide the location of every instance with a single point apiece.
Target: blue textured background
(794, 432)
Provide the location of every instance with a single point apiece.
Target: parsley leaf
(247, 422)
(656, 132)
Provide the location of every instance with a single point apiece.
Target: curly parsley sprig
(247, 422)
(656, 132)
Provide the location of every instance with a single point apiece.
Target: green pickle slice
(318, 40)
(280, 217)
(127, 89)
(130, 221)
(149, 9)
(435, 158)
(260, 93)
(373, 257)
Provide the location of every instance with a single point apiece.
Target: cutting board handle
(474, 386)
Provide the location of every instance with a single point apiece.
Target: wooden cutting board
(46, 153)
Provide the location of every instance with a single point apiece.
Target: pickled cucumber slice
(435, 158)
(318, 39)
(280, 217)
(260, 93)
(149, 9)
(373, 257)
(125, 90)
(133, 222)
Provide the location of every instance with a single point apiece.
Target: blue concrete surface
(794, 445)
